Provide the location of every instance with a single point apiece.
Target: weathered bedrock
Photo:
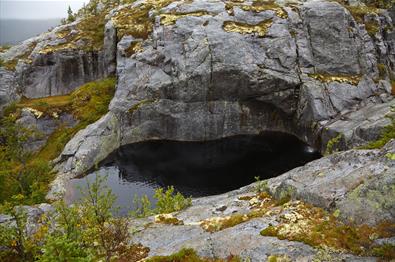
(208, 72)
(49, 65)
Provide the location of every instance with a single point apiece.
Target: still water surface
(195, 168)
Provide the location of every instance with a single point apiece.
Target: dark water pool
(196, 168)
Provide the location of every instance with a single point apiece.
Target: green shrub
(261, 186)
(167, 201)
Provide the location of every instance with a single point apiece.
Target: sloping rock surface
(213, 69)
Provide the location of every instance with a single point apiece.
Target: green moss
(372, 27)
(270, 231)
(382, 71)
(387, 134)
(278, 258)
(332, 144)
(87, 103)
(189, 255)
(140, 104)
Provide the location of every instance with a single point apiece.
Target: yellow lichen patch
(261, 204)
(4, 48)
(393, 87)
(170, 19)
(136, 21)
(349, 79)
(134, 48)
(278, 258)
(168, 219)
(215, 224)
(243, 28)
(315, 227)
(89, 30)
(63, 33)
(262, 5)
(11, 64)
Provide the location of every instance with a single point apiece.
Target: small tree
(70, 17)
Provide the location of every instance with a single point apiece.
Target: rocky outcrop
(54, 63)
(211, 70)
(42, 126)
(8, 88)
(357, 185)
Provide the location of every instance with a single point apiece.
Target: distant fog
(13, 31)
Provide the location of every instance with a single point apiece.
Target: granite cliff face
(211, 70)
(202, 70)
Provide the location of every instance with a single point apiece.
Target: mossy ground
(387, 134)
(137, 21)
(317, 228)
(190, 255)
(87, 104)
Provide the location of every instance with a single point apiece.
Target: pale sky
(37, 9)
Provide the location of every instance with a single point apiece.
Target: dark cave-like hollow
(198, 168)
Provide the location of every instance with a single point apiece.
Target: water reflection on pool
(195, 168)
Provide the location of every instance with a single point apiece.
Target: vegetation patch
(265, 5)
(4, 48)
(25, 176)
(86, 231)
(259, 29)
(261, 204)
(89, 30)
(134, 48)
(190, 255)
(278, 258)
(167, 201)
(170, 19)
(257, 6)
(348, 79)
(315, 227)
(12, 63)
(168, 219)
(332, 144)
(140, 104)
(387, 134)
(136, 21)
